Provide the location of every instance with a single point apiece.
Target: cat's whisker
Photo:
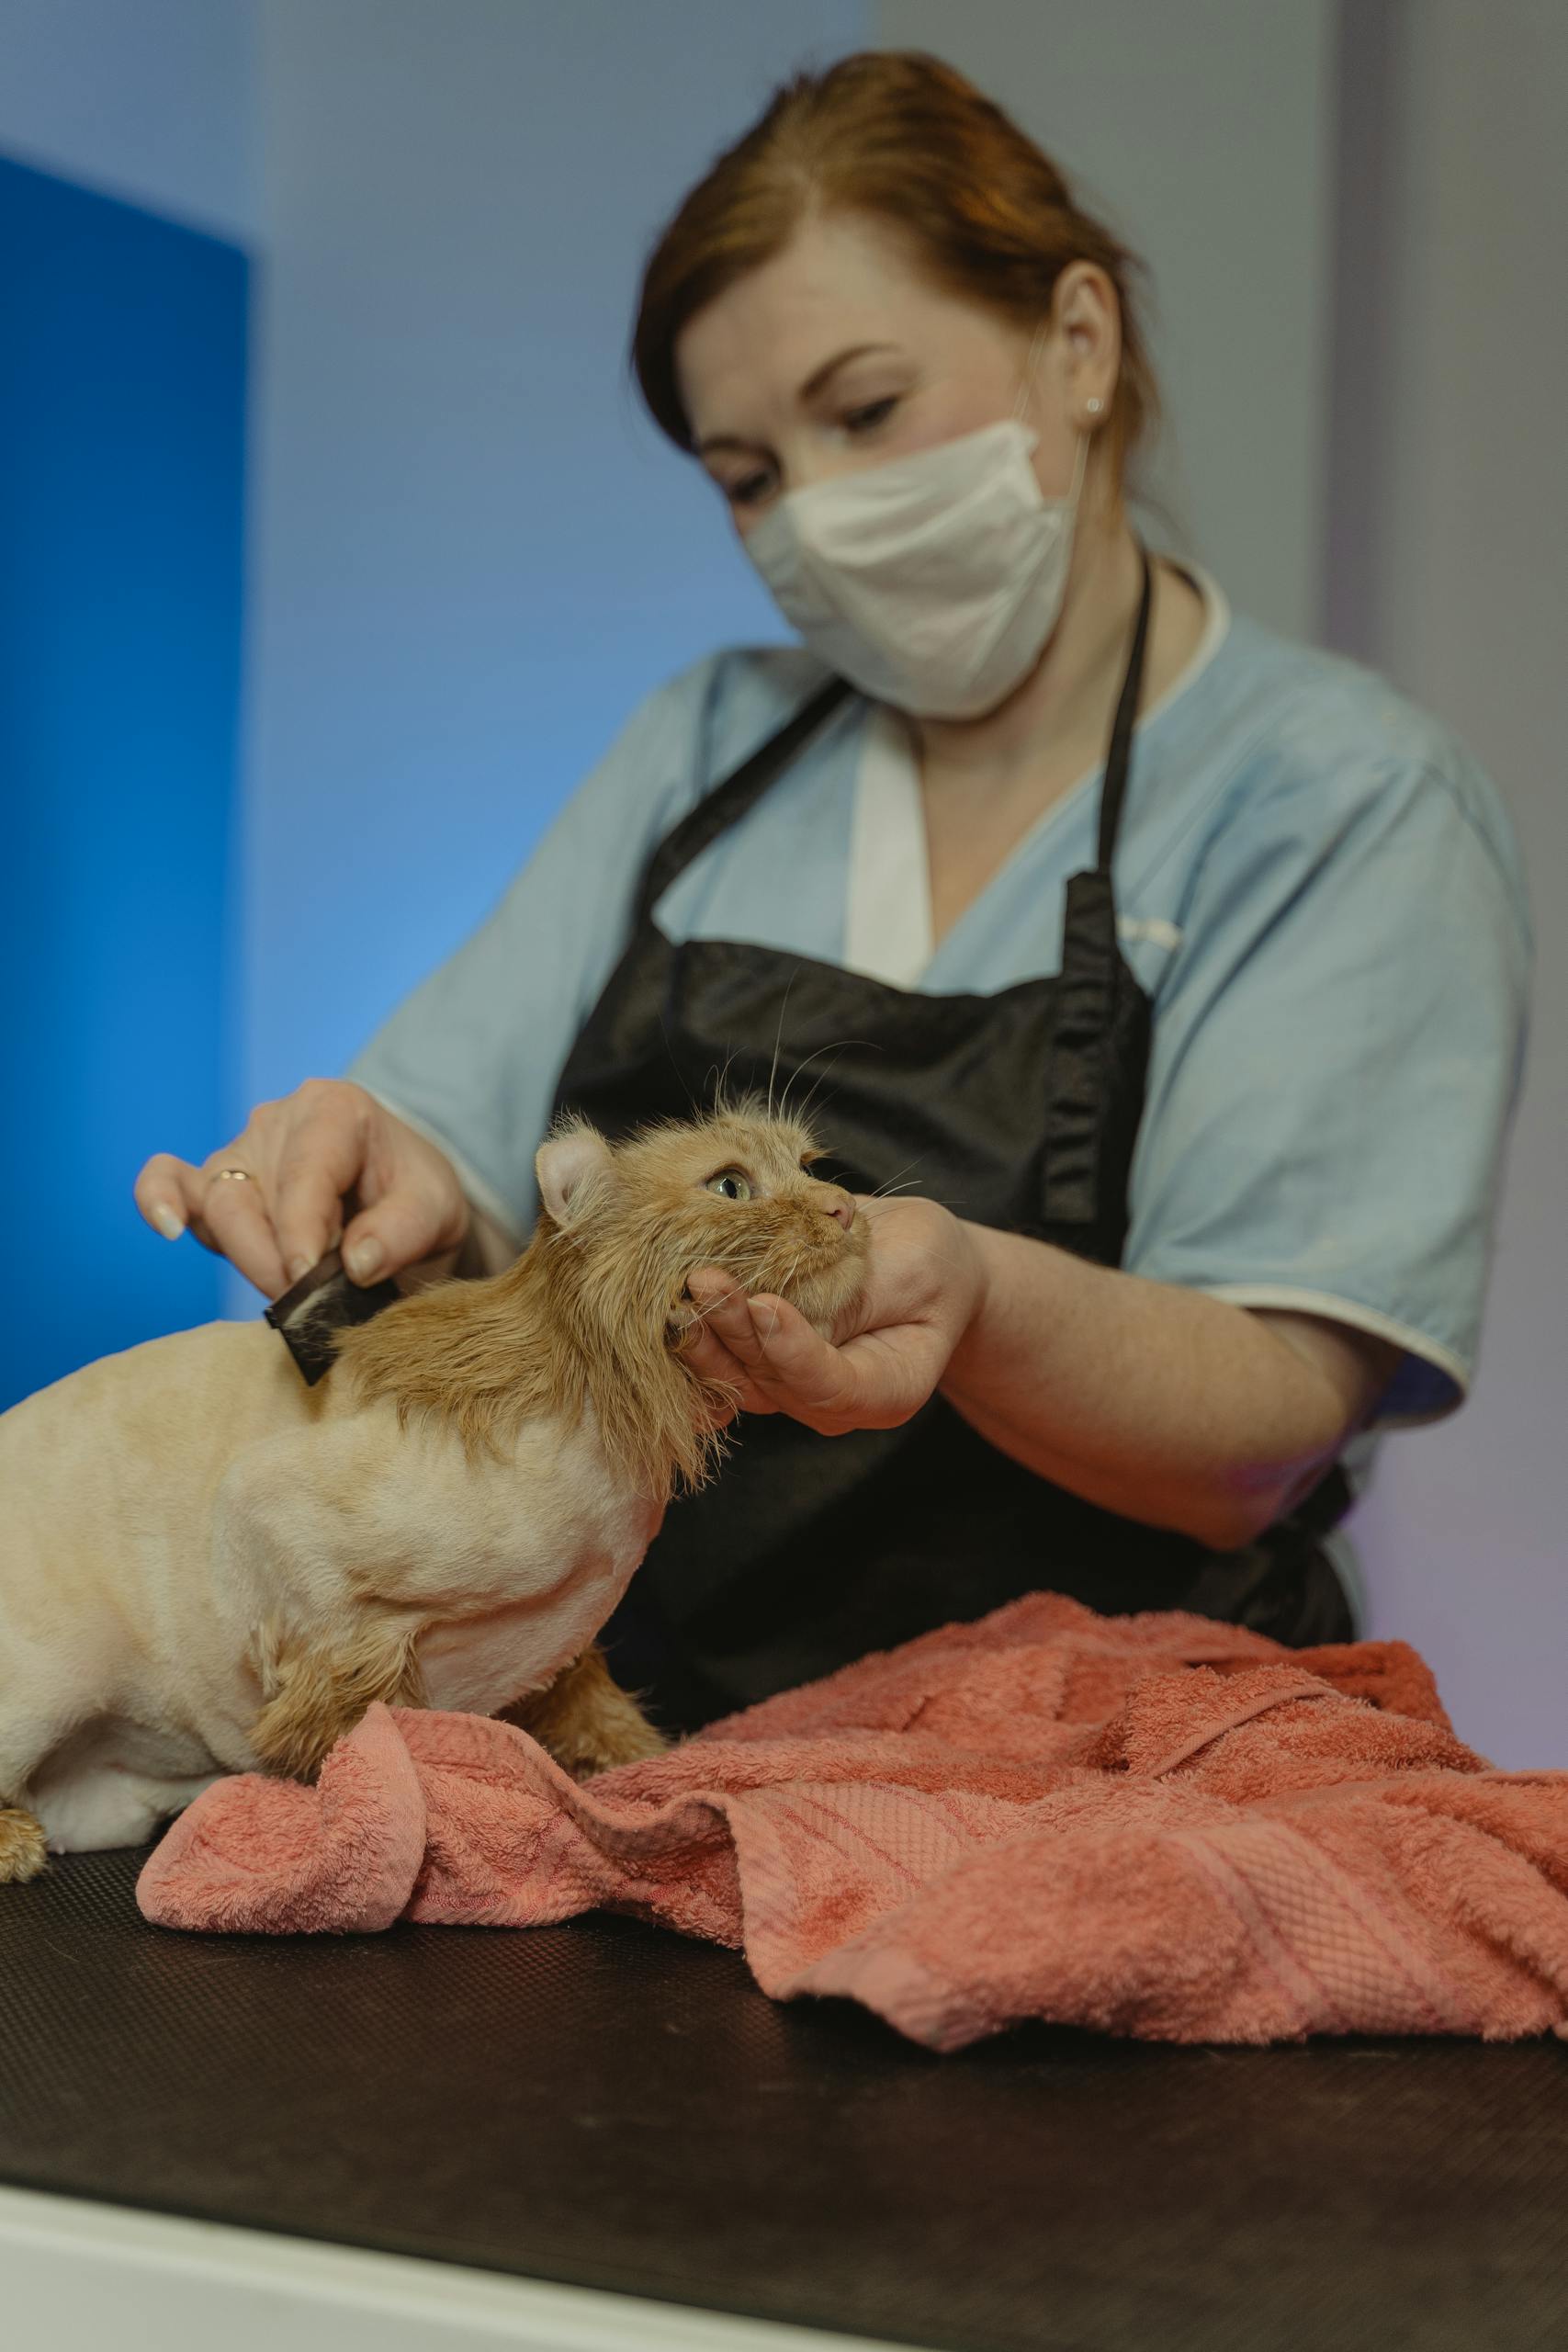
(696, 1112)
(781, 1289)
(800, 1116)
(719, 1090)
(783, 1286)
(778, 1035)
(878, 1189)
(837, 1047)
(820, 1081)
(783, 1099)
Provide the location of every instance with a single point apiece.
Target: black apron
(1017, 1110)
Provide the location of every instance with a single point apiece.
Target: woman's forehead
(841, 281)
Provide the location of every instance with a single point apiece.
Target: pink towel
(1156, 1825)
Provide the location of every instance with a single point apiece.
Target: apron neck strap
(729, 801)
(1114, 791)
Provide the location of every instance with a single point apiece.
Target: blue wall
(475, 554)
(122, 378)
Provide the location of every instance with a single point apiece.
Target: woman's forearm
(1167, 1405)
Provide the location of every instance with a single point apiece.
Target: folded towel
(1154, 1825)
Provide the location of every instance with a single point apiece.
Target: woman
(1196, 1038)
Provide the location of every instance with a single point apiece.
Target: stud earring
(1094, 407)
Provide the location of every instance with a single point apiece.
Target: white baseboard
(79, 2275)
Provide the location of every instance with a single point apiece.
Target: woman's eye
(858, 421)
(731, 1184)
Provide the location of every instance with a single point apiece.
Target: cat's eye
(731, 1184)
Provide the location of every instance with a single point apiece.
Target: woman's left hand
(889, 1350)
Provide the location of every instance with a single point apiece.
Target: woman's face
(775, 404)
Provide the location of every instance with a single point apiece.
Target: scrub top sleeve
(1336, 1059)
(471, 1057)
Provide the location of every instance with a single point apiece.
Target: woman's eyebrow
(814, 384)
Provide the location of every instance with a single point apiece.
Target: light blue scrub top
(1317, 886)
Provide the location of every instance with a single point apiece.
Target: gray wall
(473, 553)
(1451, 575)
(1200, 132)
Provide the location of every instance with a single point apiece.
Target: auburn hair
(905, 139)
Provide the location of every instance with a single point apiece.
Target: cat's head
(732, 1189)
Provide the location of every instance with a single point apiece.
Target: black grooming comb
(323, 1302)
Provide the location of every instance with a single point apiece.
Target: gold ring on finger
(241, 1175)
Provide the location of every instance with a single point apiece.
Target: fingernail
(298, 1266)
(168, 1223)
(364, 1258)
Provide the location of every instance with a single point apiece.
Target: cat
(208, 1566)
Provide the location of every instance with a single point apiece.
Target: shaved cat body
(207, 1566)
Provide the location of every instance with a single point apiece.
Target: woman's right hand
(326, 1163)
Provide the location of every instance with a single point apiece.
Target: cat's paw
(317, 1689)
(586, 1721)
(23, 1848)
(627, 1738)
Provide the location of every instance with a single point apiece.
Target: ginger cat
(209, 1566)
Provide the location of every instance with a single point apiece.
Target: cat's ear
(573, 1170)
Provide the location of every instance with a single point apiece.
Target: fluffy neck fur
(540, 1337)
(585, 1316)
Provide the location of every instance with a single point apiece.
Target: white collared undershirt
(887, 926)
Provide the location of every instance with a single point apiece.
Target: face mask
(931, 582)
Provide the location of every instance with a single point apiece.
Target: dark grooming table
(613, 2106)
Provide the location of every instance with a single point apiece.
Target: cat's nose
(843, 1208)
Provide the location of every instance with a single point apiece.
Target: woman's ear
(572, 1169)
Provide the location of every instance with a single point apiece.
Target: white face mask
(931, 582)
